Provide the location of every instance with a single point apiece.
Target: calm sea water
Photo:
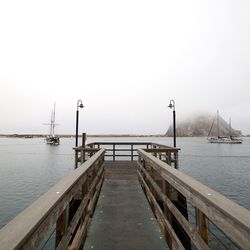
(29, 167)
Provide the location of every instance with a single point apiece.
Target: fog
(125, 60)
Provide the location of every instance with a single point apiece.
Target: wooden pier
(129, 195)
(123, 218)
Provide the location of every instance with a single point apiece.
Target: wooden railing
(67, 207)
(120, 150)
(163, 186)
(128, 151)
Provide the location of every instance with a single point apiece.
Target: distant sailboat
(223, 139)
(52, 138)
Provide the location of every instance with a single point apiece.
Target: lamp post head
(172, 104)
(79, 104)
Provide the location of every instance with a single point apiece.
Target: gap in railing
(217, 239)
(50, 242)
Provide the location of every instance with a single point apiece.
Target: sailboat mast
(218, 123)
(53, 123)
(51, 120)
(230, 132)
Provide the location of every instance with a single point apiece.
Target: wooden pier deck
(123, 218)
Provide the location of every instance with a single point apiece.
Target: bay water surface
(29, 167)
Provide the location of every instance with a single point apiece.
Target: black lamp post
(79, 105)
(172, 105)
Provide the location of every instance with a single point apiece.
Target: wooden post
(176, 164)
(61, 225)
(155, 154)
(202, 225)
(166, 211)
(85, 189)
(83, 140)
(132, 152)
(113, 152)
(82, 155)
(166, 191)
(169, 158)
(76, 158)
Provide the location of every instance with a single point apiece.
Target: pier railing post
(202, 224)
(61, 225)
(83, 147)
(83, 139)
(176, 163)
(76, 158)
(82, 155)
(113, 152)
(167, 190)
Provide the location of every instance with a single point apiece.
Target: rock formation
(201, 126)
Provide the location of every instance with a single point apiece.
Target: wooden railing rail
(118, 150)
(161, 182)
(128, 150)
(85, 153)
(69, 205)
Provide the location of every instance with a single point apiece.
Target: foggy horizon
(125, 61)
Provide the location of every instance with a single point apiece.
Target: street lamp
(172, 105)
(79, 105)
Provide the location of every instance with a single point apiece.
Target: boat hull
(224, 140)
(53, 140)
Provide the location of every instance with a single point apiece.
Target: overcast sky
(125, 60)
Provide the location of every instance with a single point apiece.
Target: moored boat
(55, 140)
(223, 139)
(226, 140)
(52, 139)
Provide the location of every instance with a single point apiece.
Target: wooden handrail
(112, 149)
(30, 228)
(228, 216)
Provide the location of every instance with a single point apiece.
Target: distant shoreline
(28, 136)
(70, 135)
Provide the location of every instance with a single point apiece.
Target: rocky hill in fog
(201, 125)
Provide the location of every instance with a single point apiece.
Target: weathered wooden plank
(29, 228)
(61, 224)
(123, 170)
(78, 240)
(79, 213)
(81, 231)
(231, 218)
(176, 244)
(72, 226)
(121, 143)
(123, 219)
(93, 201)
(160, 150)
(192, 233)
(202, 224)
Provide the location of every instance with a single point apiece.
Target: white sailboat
(223, 139)
(52, 139)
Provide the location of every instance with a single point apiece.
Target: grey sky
(125, 60)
